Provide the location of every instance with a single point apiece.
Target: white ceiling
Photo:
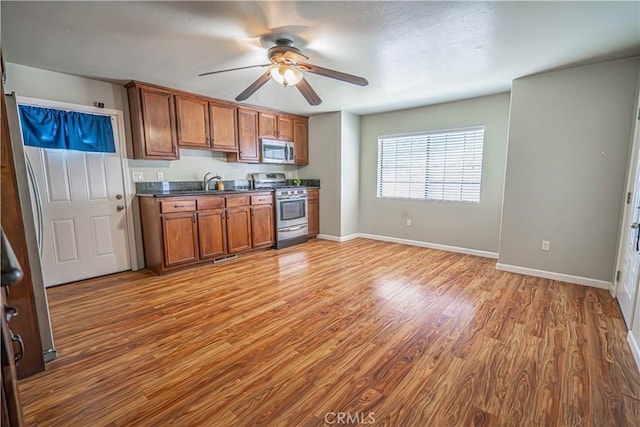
(412, 53)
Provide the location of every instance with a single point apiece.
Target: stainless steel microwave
(274, 151)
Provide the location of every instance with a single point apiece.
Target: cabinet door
(248, 135)
(180, 238)
(301, 142)
(262, 226)
(159, 123)
(223, 128)
(268, 125)
(285, 128)
(212, 233)
(238, 229)
(193, 122)
(313, 211)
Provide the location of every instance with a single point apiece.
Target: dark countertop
(188, 193)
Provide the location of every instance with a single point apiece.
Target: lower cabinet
(179, 231)
(313, 211)
(180, 235)
(212, 233)
(238, 229)
(262, 228)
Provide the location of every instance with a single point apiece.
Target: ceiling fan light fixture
(286, 75)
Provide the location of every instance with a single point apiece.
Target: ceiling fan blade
(295, 56)
(307, 91)
(333, 74)
(254, 87)
(233, 69)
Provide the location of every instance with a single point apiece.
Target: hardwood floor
(392, 335)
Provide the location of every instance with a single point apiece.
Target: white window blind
(441, 165)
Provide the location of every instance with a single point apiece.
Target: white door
(80, 212)
(628, 286)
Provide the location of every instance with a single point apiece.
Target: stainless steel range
(291, 208)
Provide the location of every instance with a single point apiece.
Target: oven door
(291, 212)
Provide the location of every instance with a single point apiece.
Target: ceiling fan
(286, 67)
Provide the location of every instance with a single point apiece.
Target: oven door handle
(300, 227)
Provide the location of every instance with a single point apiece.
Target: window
(440, 165)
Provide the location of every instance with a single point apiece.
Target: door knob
(635, 225)
(119, 208)
(119, 196)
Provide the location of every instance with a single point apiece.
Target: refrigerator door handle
(33, 183)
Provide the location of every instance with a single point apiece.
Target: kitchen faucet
(206, 180)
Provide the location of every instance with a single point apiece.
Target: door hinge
(638, 113)
(629, 197)
(618, 273)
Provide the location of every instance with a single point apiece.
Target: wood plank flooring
(323, 333)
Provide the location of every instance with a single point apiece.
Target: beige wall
(465, 225)
(325, 136)
(350, 175)
(568, 151)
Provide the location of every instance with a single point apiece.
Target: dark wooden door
(212, 233)
(222, 119)
(180, 237)
(193, 122)
(268, 125)
(238, 229)
(159, 123)
(313, 211)
(262, 226)
(285, 128)
(248, 135)
(301, 142)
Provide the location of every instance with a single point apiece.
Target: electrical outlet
(160, 176)
(409, 223)
(137, 176)
(545, 245)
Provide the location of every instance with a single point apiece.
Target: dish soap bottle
(219, 186)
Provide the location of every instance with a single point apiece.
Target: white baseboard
(585, 281)
(475, 252)
(338, 238)
(635, 348)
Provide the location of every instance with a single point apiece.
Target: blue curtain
(66, 130)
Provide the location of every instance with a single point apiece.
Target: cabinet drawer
(215, 202)
(261, 199)
(313, 194)
(168, 206)
(233, 201)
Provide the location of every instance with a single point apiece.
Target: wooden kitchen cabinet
(192, 118)
(180, 236)
(224, 127)
(301, 141)
(238, 229)
(153, 122)
(313, 211)
(183, 230)
(212, 233)
(275, 126)
(248, 142)
(262, 221)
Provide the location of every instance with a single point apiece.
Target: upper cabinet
(275, 126)
(153, 122)
(193, 122)
(224, 127)
(301, 140)
(163, 120)
(248, 144)
(206, 125)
